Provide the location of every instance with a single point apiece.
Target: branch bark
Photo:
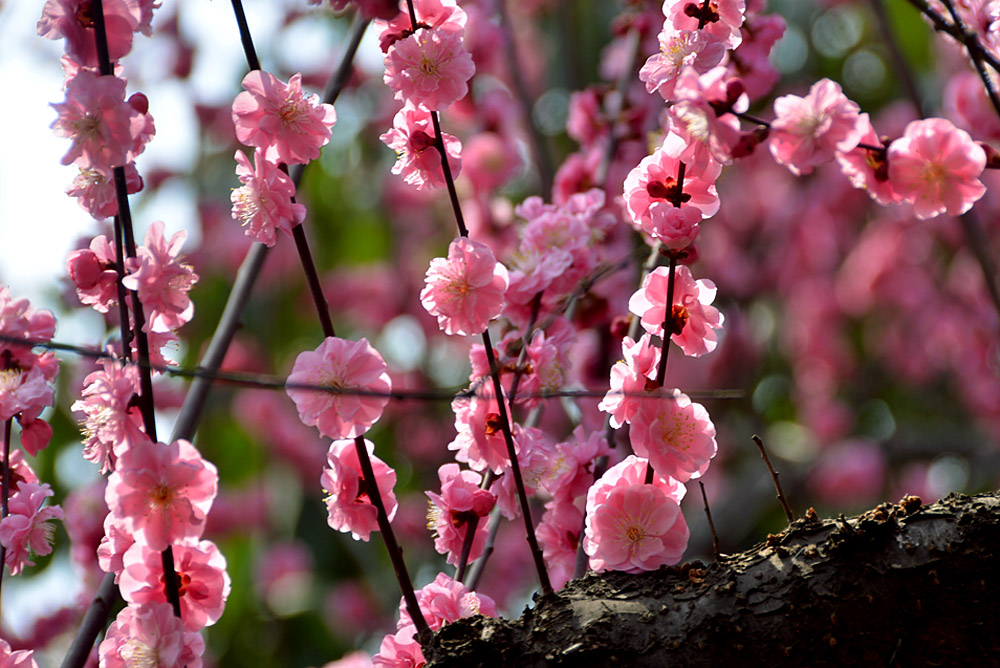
(899, 585)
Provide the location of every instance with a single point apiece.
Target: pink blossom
(106, 130)
(340, 365)
(936, 167)
(72, 20)
(150, 636)
(572, 472)
(26, 377)
(465, 291)
(491, 160)
(722, 18)
(675, 434)
(265, 201)
(23, 391)
(22, 658)
(203, 581)
(809, 130)
(162, 491)
(636, 528)
(536, 457)
(480, 441)
(417, 157)
(700, 115)
(632, 471)
(451, 512)
(693, 318)
(444, 15)
(679, 49)
(400, 650)
(93, 273)
(751, 61)
(446, 600)
(348, 503)
(630, 378)
(534, 270)
(94, 188)
(654, 180)
(112, 419)
(162, 279)
(867, 168)
(26, 528)
(116, 542)
(279, 118)
(429, 68)
(558, 534)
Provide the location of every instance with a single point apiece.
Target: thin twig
(774, 476)
(896, 54)
(476, 571)
(711, 525)
(942, 25)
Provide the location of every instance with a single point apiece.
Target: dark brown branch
(900, 585)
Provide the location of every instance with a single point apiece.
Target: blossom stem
(312, 278)
(448, 177)
(5, 488)
(123, 231)
(515, 468)
(385, 528)
(245, 38)
(668, 322)
(476, 571)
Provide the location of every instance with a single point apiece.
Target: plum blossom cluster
(284, 126)
(428, 68)
(159, 496)
(107, 130)
(934, 166)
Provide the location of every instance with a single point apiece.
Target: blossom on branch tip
(465, 291)
(345, 367)
(348, 503)
(936, 167)
(288, 125)
(808, 131)
(679, 49)
(93, 273)
(264, 203)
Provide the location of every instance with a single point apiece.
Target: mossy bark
(899, 585)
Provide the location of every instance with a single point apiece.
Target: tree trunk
(900, 585)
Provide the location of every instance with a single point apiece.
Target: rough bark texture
(900, 585)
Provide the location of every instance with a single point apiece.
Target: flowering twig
(969, 41)
(504, 418)
(942, 25)
(326, 322)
